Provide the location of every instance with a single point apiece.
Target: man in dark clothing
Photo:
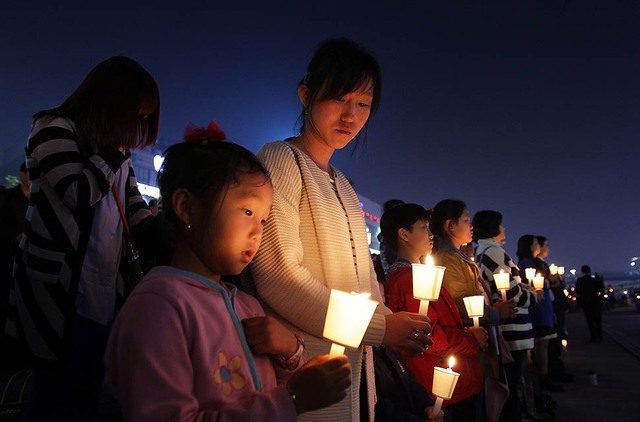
(590, 290)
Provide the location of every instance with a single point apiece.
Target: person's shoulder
(53, 122)
(275, 147)
(278, 154)
(168, 283)
(445, 255)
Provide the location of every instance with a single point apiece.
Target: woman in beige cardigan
(315, 238)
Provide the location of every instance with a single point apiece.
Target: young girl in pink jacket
(187, 346)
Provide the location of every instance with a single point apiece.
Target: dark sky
(531, 108)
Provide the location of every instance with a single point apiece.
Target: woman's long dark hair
(105, 106)
(524, 247)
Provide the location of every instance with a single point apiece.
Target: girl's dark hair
(447, 209)
(486, 224)
(206, 170)
(524, 246)
(401, 216)
(338, 67)
(105, 106)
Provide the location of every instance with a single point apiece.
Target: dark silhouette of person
(387, 255)
(590, 290)
(12, 212)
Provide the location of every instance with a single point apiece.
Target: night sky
(531, 108)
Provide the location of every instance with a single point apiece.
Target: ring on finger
(416, 334)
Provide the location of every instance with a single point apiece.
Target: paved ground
(617, 363)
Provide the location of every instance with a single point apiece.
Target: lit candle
(529, 273)
(560, 270)
(475, 307)
(564, 343)
(502, 282)
(566, 292)
(444, 383)
(427, 280)
(538, 282)
(348, 317)
(553, 269)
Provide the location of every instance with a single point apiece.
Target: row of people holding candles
(348, 315)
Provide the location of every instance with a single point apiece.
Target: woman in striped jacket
(489, 233)
(83, 196)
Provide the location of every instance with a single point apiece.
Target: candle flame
(501, 271)
(564, 342)
(429, 260)
(452, 361)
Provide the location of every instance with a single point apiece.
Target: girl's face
(420, 238)
(334, 122)
(226, 237)
(461, 231)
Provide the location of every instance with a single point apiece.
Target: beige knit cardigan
(306, 251)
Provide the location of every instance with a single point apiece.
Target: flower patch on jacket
(227, 374)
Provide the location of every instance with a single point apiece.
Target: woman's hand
(321, 382)
(539, 296)
(266, 335)
(481, 336)
(407, 333)
(428, 414)
(507, 308)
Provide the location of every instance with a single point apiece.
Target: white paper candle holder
(427, 281)
(444, 384)
(348, 317)
(529, 273)
(502, 282)
(538, 282)
(475, 307)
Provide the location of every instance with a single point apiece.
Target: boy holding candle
(405, 228)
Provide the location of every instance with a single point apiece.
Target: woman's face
(461, 231)
(500, 237)
(535, 248)
(334, 122)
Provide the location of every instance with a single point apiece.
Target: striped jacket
(66, 185)
(491, 258)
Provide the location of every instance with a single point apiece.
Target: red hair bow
(195, 134)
